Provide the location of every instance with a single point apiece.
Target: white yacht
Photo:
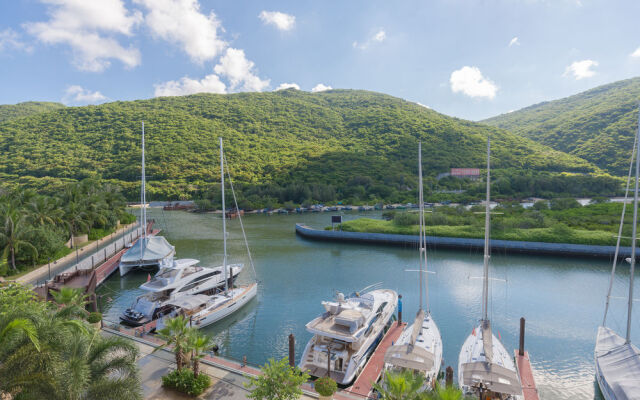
(346, 334)
(617, 359)
(148, 251)
(419, 347)
(183, 277)
(204, 310)
(485, 368)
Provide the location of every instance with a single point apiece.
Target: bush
(94, 317)
(126, 218)
(564, 204)
(184, 381)
(99, 233)
(47, 239)
(325, 386)
(406, 219)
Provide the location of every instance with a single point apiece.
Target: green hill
(597, 125)
(11, 111)
(357, 143)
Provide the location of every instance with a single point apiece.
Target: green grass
(547, 235)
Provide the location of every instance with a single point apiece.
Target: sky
(467, 58)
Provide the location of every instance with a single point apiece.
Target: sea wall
(505, 246)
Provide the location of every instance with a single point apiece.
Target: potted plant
(326, 387)
(94, 319)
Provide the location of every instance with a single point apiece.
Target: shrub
(325, 386)
(406, 219)
(184, 381)
(94, 317)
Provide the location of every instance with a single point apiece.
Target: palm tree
(76, 217)
(197, 343)
(445, 393)
(13, 236)
(20, 326)
(175, 333)
(43, 210)
(73, 302)
(400, 386)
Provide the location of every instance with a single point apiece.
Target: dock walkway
(526, 376)
(373, 369)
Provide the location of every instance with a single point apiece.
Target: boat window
(381, 308)
(196, 281)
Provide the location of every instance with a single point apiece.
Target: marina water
(562, 299)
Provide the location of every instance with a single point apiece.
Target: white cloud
(240, 71)
(10, 39)
(581, 69)
(320, 88)
(378, 37)
(181, 22)
(89, 27)
(282, 21)
(636, 54)
(184, 86)
(79, 95)
(469, 80)
(283, 86)
(514, 42)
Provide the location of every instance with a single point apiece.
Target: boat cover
(618, 363)
(492, 376)
(410, 357)
(156, 249)
(189, 302)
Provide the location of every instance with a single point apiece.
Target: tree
(176, 334)
(73, 302)
(197, 343)
(13, 233)
(278, 381)
(400, 385)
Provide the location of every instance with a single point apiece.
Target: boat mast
(422, 244)
(143, 196)
(633, 238)
(487, 220)
(224, 222)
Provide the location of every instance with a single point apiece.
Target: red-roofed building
(472, 173)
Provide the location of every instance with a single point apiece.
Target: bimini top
(619, 364)
(148, 251)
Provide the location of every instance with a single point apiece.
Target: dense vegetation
(49, 351)
(559, 221)
(597, 125)
(284, 145)
(11, 111)
(35, 227)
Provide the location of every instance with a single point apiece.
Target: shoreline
(507, 246)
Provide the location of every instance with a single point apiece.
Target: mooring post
(292, 350)
(244, 361)
(521, 349)
(449, 376)
(399, 309)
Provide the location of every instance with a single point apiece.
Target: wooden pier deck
(373, 369)
(526, 376)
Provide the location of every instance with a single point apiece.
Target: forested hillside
(11, 111)
(597, 125)
(284, 145)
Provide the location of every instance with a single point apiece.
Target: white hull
(125, 268)
(617, 366)
(237, 299)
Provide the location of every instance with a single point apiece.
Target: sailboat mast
(143, 194)
(487, 226)
(421, 241)
(633, 238)
(224, 222)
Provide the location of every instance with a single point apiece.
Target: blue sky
(467, 58)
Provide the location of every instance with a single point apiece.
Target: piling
(449, 376)
(292, 350)
(399, 309)
(521, 348)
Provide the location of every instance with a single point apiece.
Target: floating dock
(526, 376)
(374, 367)
(504, 246)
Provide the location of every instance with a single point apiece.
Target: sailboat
(149, 251)
(617, 359)
(485, 368)
(203, 310)
(419, 347)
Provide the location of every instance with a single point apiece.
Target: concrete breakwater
(506, 246)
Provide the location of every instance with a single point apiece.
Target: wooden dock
(373, 369)
(526, 376)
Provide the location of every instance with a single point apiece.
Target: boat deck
(373, 369)
(526, 376)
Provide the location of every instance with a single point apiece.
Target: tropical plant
(186, 382)
(13, 232)
(175, 333)
(444, 393)
(94, 317)
(403, 385)
(197, 344)
(278, 381)
(325, 386)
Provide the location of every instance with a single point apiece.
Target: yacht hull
(617, 366)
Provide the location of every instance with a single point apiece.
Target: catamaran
(184, 277)
(204, 310)
(617, 359)
(346, 334)
(419, 347)
(485, 368)
(148, 251)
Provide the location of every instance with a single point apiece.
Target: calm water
(561, 298)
